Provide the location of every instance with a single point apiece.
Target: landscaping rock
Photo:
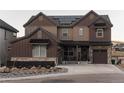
(24, 68)
(39, 67)
(2, 69)
(33, 68)
(23, 72)
(7, 70)
(14, 69)
(43, 68)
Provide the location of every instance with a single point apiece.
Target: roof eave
(25, 37)
(37, 17)
(85, 17)
(9, 29)
(111, 25)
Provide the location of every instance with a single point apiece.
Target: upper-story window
(65, 33)
(81, 31)
(99, 33)
(14, 34)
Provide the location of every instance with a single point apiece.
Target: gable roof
(102, 19)
(32, 33)
(6, 26)
(70, 20)
(35, 17)
(86, 16)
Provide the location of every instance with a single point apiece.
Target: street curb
(33, 77)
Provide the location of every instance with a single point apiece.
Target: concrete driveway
(92, 69)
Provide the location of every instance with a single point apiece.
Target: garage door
(100, 56)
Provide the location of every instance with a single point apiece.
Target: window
(39, 51)
(81, 31)
(69, 51)
(14, 34)
(64, 33)
(99, 33)
(69, 54)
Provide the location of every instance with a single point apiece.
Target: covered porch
(74, 52)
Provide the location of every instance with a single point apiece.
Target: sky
(17, 18)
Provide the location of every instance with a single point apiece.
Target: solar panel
(65, 20)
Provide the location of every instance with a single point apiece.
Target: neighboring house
(7, 34)
(118, 47)
(65, 39)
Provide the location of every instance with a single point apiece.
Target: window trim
(97, 31)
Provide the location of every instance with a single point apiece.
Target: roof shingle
(4, 25)
(67, 20)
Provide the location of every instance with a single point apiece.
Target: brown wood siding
(77, 37)
(41, 22)
(23, 48)
(70, 33)
(87, 20)
(107, 34)
(83, 24)
(52, 51)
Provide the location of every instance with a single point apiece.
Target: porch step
(83, 62)
(75, 62)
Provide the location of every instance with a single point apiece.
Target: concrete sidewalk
(76, 70)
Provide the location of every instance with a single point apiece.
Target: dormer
(100, 29)
(101, 21)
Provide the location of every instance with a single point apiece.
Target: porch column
(90, 55)
(77, 53)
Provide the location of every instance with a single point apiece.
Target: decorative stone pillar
(90, 55)
(109, 51)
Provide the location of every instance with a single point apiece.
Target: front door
(69, 54)
(83, 53)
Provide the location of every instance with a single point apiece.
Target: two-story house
(66, 39)
(7, 34)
